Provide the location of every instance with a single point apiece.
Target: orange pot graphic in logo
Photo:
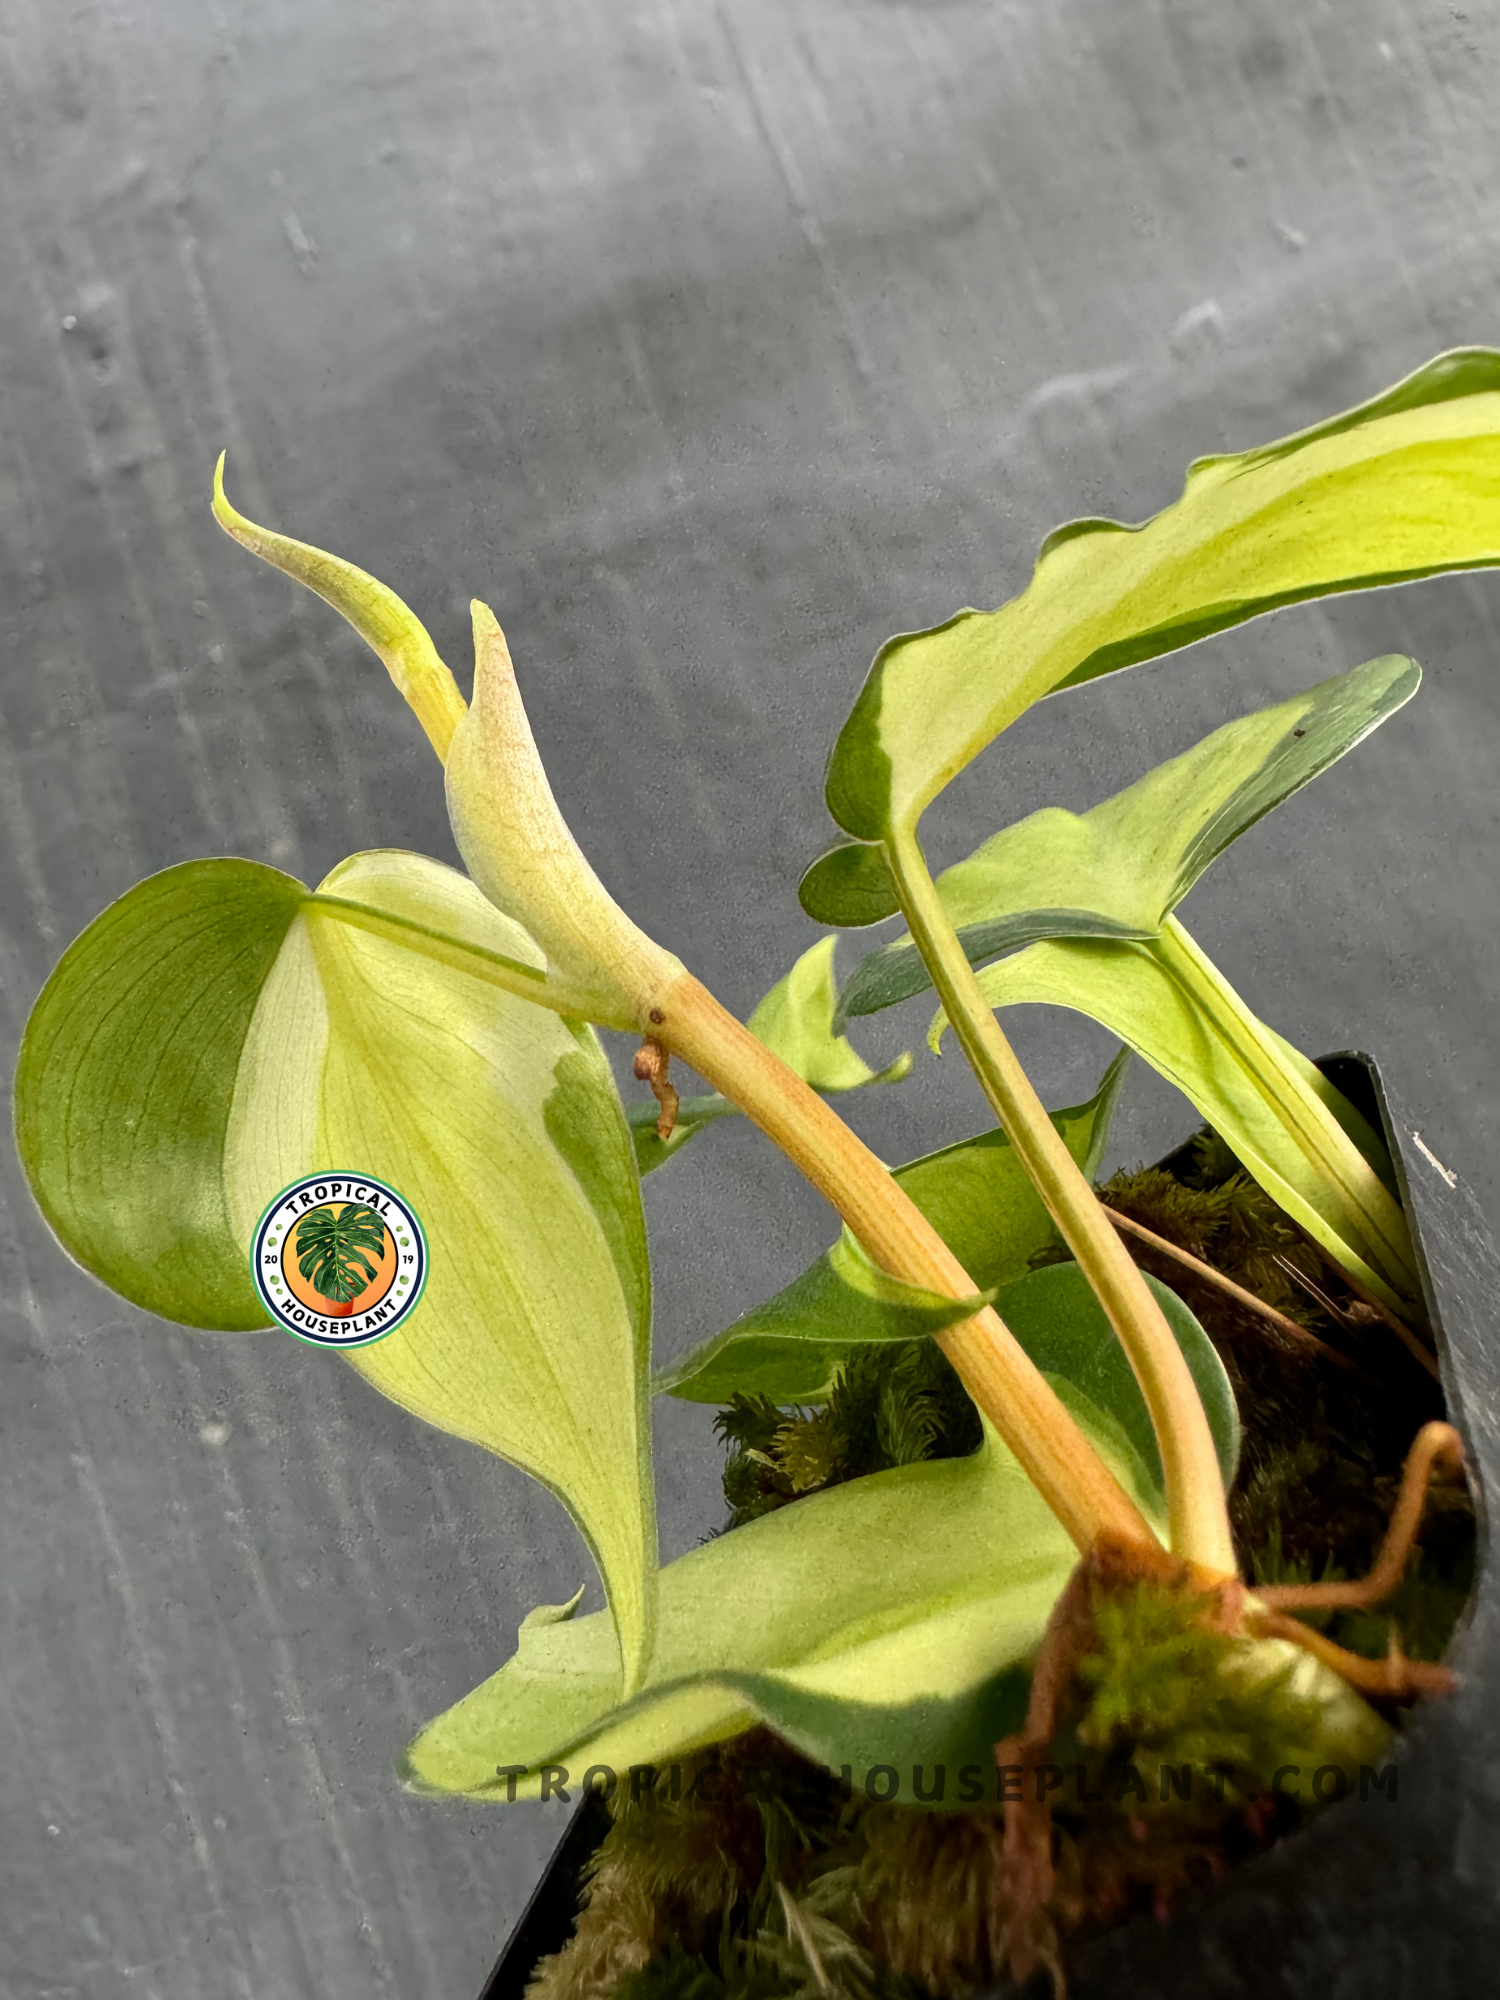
(333, 1248)
(339, 1259)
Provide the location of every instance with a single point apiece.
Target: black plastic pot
(1390, 1899)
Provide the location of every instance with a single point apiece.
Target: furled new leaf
(984, 1206)
(389, 627)
(795, 1021)
(220, 1032)
(514, 841)
(1405, 486)
(1121, 868)
(521, 851)
(1256, 1092)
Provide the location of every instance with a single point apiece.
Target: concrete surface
(709, 343)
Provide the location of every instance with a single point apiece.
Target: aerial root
(1292, 1329)
(1395, 1678)
(1025, 1869)
(1436, 1448)
(1025, 1873)
(650, 1066)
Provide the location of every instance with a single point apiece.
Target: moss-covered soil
(755, 1874)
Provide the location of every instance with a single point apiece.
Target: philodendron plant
(224, 1030)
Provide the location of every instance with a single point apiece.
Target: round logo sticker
(339, 1259)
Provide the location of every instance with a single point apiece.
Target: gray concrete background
(709, 343)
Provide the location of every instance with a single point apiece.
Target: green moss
(927, 1882)
(675, 1975)
(752, 1875)
(724, 1878)
(891, 1404)
(1161, 1692)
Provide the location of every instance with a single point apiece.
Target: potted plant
(998, 1647)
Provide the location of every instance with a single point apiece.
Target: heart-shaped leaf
(1274, 1111)
(795, 1021)
(126, 1079)
(219, 1033)
(1407, 485)
(1121, 868)
(984, 1206)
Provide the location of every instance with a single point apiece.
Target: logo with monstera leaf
(339, 1259)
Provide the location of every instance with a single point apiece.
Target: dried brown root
(1293, 1329)
(650, 1066)
(1366, 1311)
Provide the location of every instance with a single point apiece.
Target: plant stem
(1000, 1376)
(1195, 1496)
(1360, 1207)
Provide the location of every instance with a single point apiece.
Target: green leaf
(1402, 487)
(219, 1033)
(693, 1113)
(850, 886)
(795, 1021)
(1056, 1317)
(498, 1120)
(790, 1348)
(126, 1078)
(888, 1621)
(1254, 1090)
(884, 1621)
(898, 971)
(1120, 869)
(984, 1206)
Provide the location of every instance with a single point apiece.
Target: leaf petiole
(1195, 1499)
(995, 1369)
